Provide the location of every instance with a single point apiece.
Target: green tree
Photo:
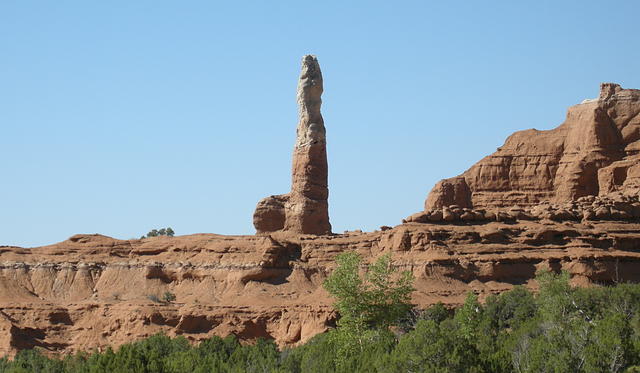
(368, 305)
(438, 313)
(160, 232)
(434, 347)
(468, 317)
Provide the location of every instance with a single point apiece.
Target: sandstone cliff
(93, 291)
(595, 151)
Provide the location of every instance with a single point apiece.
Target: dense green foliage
(559, 329)
(368, 304)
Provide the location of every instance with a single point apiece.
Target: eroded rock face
(615, 206)
(454, 191)
(92, 291)
(305, 209)
(595, 151)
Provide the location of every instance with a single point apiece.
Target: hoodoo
(305, 209)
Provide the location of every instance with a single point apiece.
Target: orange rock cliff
(594, 152)
(561, 199)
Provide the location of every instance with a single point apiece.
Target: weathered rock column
(305, 209)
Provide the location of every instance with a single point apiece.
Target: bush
(159, 232)
(168, 297)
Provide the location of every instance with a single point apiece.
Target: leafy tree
(434, 347)
(610, 349)
(368, 305)
(468, 317)
(375, 300)
(511, 309)
(438, 313)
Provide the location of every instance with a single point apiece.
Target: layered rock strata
(594, 152)
(305, 209)
(614, 206)
(92, 291)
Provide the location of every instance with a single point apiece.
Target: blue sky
(123, 116)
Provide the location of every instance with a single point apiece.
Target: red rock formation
(305, 209)
(454, 191)
(595, 151)
(93, 291)
(269, 215)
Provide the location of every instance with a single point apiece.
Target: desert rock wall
(105, 292)
(591, 153)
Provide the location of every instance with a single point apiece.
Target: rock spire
(305, 209)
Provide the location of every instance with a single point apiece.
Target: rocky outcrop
(92, 291)
(595, 151)
(454, 191)
(614, 206)
(305, 209)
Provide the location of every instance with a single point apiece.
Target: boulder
(603, 213)
(452, 192)
(269, 215)
(448, 215)
(435, 216)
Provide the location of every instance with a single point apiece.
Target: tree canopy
(368, 304)
(159, 232)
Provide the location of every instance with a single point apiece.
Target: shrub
(160, 232)
(168, 297)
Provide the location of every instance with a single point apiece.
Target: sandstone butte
(561, 199)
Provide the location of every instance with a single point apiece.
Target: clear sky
(117, 117)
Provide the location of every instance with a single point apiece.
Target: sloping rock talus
(594, 152)
(305, 209)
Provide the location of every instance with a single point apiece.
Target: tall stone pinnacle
(305, 209)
